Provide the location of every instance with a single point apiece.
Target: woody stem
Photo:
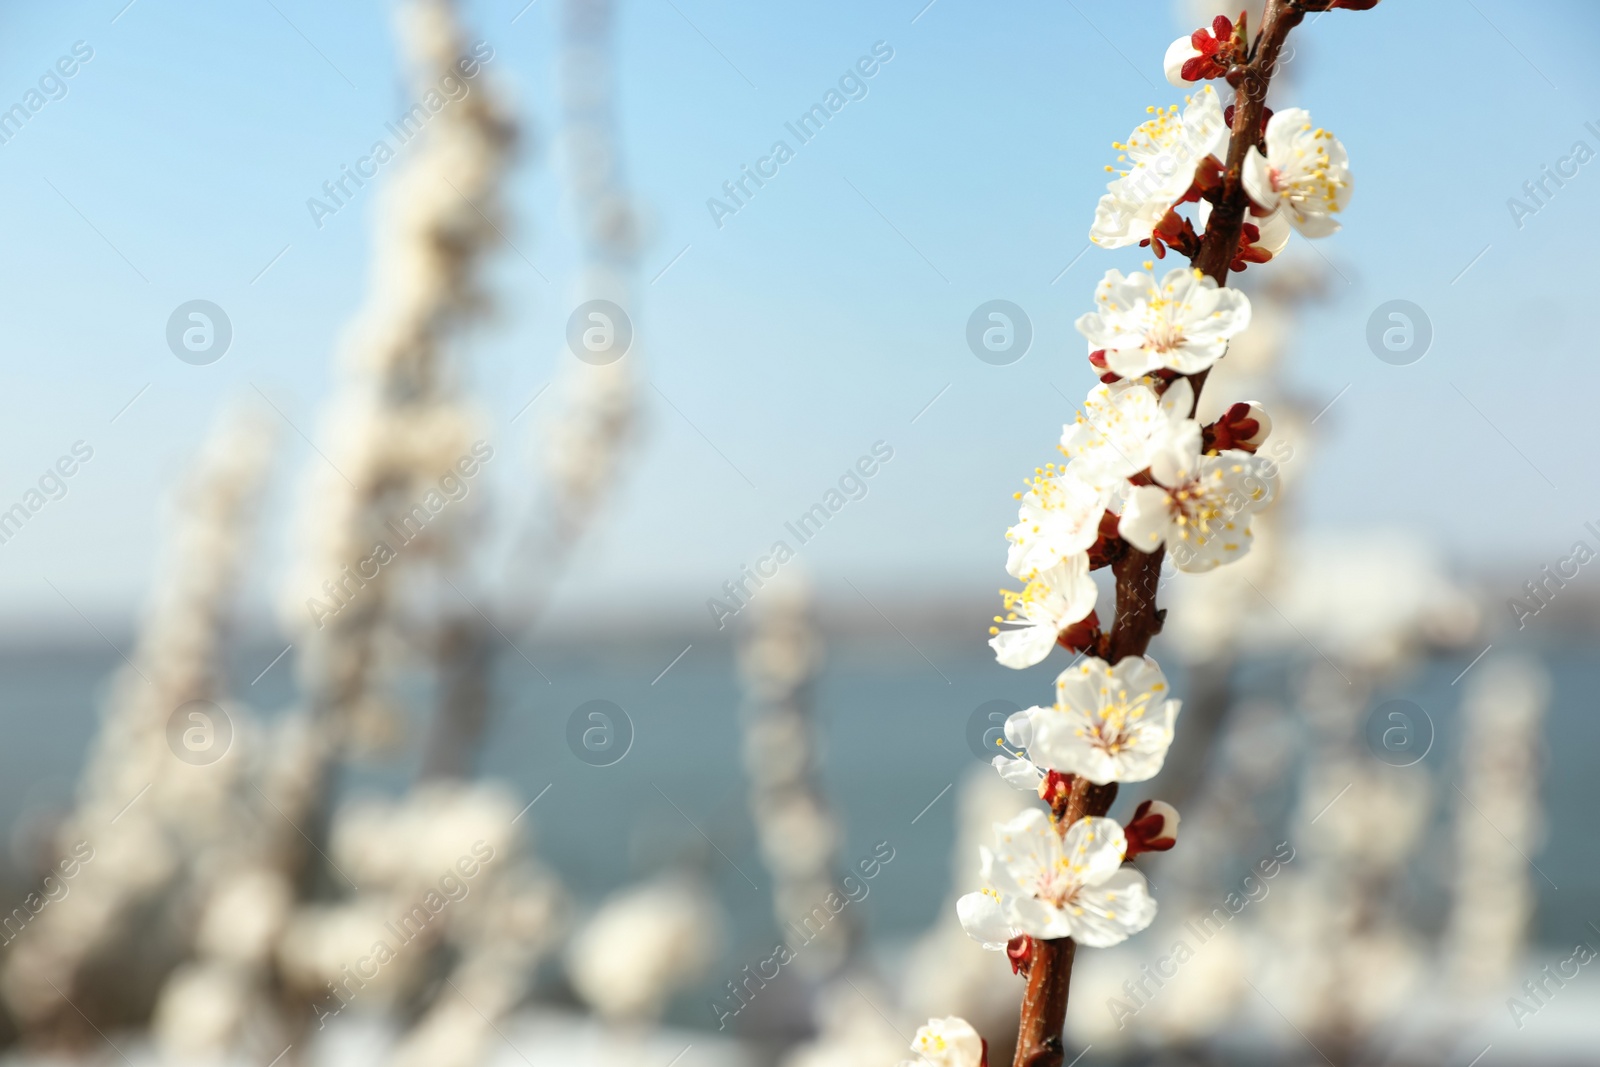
(1044, 1005)
(1250, 82)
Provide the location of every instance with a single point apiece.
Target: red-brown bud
(1097, 360)
(1019, 950)
(1055, 789)
(1176, 232)
(1244, 426)
(1153, 828)
(1250, 249)
(1218, 47)
(1109, 545)
(1266, 117)
(1081, 636)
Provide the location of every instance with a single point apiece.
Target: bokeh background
(1442, 858)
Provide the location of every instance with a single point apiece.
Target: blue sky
(825, 314)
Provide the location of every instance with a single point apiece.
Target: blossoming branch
(1141, 480)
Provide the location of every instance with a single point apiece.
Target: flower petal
(1179, 458)
(1146, 517)
(984, 920)
(1024, 646)
(1178, 401)
(1275, 231)
(1114, 910)
(1038, 918)
(1257, 178)
(1063, 741)
(1019, 728)
(1018, 773)
(1094, 849)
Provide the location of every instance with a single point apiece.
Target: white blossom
(1108, 724)
(1164, 152)
(1019, 771)
(1046, 885)
(642, 944)
(1123, 424)
(245, 915)
(200, 1010)
(1305, 172)
(1181, 323)
(1057, 597)
(1059, 517)
(1200, 506)
(949, 1042)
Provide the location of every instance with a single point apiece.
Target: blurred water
(895, 725)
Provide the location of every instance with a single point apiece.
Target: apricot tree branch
(1138, 574)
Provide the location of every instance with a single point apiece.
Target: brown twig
(1250, 83)
(1138, 619)
(1044, 1004)
(1138, 574)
